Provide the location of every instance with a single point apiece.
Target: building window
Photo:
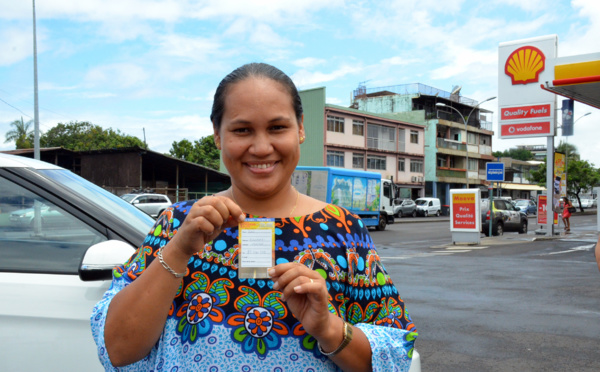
(416, 166)
(335, 158)
(473, 164)
(414, 136)
(335, 124)
(401, 140)
(358, 127)
(376, 162)
(472, 138)
(358, 160)
(401, 167)
(441, 162)
(381, 137)
(484, 140)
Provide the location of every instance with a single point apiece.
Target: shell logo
(524, 65)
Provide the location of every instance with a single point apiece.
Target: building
(516, 183)
(122, 170)
(348, 138)
(447, 136)
(538, 151)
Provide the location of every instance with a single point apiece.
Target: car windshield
(522, 203)
(128, 197)
(421, 202)
(102, 198)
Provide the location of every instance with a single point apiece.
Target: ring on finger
(312, 281)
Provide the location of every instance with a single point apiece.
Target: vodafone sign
(525, 129)
(526, 110)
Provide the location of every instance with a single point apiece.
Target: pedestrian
(179, 303)
(566, 214)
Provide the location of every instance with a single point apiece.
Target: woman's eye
(241, 130)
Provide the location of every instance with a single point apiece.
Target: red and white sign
(542, 214)
(526, 129)
(526, 112)
(522, 66)
(464, 210)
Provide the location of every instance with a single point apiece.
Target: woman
(566, 214)
(179, 303)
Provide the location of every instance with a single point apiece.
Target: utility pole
(36, 115)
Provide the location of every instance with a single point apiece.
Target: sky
(149, 68)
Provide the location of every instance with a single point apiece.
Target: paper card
(257, 247)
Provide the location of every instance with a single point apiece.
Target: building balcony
(444, 143)
(451, 172)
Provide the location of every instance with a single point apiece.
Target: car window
(38, 236)
(142, 199)
(499, 204)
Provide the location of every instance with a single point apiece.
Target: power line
(16, 108)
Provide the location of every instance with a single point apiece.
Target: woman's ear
(301, 132)
(217, 138)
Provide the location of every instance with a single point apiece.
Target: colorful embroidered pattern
(218, 317)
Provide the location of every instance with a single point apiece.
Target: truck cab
(363, 193)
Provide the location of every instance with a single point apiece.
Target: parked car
(153, 204)
(51, 275)
(405, 207)
(525, 205)
(428, 206)
(503, 216)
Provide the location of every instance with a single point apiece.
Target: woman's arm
(137, 314)
(598, 253)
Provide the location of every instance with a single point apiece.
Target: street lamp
(440, 104)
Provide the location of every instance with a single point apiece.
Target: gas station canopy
(578, 78)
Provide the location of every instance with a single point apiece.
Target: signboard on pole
(526, 110)
(542, 211)
(494, 172)
(560, 175)
(567, 117)
(465, 215)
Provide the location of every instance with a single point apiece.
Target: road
(511, 303)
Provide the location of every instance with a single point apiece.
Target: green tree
(568, 149)
(202, 151)
(85, 136)
(519, 154)
(581, 177)
(20, 134)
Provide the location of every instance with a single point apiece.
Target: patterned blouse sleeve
(375, 306)
(124, 274)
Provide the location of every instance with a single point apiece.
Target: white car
(52, 274)
(152, 204)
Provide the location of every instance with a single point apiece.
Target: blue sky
(153, 65)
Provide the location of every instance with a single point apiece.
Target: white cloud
(117, 75)
(16, 44)
(304, 78)
(308, 62)
(334, 101)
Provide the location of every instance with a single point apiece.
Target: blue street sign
(494, 172)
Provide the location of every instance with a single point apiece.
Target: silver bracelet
(166, 266)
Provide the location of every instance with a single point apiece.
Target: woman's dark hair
(259, 70)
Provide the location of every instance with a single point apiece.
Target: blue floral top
(219, 322)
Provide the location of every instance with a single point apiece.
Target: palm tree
(568, 149)
(20, 134)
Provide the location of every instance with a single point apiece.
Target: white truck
(363, 193)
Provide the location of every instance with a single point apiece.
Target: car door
(513, 220)
(45, 307)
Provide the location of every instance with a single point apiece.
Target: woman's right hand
(208, 217)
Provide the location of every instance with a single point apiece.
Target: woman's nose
(261, 145)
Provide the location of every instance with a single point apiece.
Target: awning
(578, 78)
(521, 186)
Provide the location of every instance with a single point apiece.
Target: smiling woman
(327, 303)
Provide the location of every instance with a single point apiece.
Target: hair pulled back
(257, 70)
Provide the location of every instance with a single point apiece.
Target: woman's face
(259, 136)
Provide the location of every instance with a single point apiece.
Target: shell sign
(524, 65)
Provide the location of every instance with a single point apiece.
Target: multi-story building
(517, 184)
(538, 151)
(449, 141)
(348, 138)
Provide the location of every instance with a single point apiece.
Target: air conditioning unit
(413, 179)
(420, 179)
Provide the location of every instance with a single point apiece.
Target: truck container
(363, 193)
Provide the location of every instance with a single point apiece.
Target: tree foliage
(202, 151)
(85, 136)
(568, 149)
(519, 154)
(581, 177)
(20, 134)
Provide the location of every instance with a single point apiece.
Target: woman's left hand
(306, 295)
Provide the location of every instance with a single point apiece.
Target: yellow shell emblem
(524, 65)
